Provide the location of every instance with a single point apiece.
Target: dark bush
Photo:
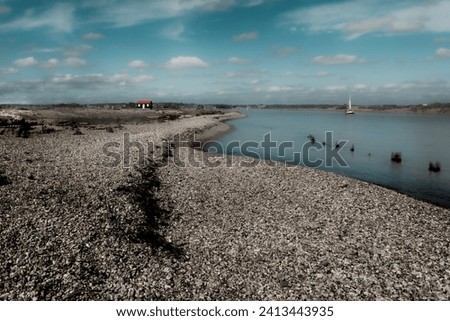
(47, 130)
(24, 129)
(3, 179)
(77, 131)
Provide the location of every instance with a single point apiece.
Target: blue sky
(225, 51)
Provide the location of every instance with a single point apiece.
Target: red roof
(144, 101)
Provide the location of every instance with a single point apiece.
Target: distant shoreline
(425, 110)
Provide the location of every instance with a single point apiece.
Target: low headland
(426, 109)
(100, 204)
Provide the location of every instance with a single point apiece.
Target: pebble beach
(75, 227)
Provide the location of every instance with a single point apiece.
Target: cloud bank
(357, 18)
(59, 18)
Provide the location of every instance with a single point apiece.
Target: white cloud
(134, 12)
(97, 3)
(246, 36)
(92, 36)
(94, 81)
(186, 62)
(360, 87)
(255, 81)
(322, 74)
(441, 39)
(360, 27)
(244, 74)
(123, 87)
(283, 52)
(357, 18)
(327, 17)
(276, 89)
(218, 5)
(237, 60)
(8, 71)
(76, 50)
(173, 32)
(75, 88)
(337, 59)
(142, 78)
(45, 50)
(388, 25)
(74, 62)
(252, 3)
(59, 18)
(443, 53)
(52, 62)
(391, 86)
(139, 64)
(137, 12)
(336, 88)
(91, 81)
(26, 62)
(5, 9)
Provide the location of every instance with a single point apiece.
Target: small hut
(144, 103)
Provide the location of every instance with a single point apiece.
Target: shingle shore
(74, 228)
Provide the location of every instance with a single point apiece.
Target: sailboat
(349, 110)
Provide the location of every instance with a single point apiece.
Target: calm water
(419, 138)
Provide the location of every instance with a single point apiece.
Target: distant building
(144, 103)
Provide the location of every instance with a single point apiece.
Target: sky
(225, 51)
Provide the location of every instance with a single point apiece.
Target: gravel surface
(286, 233)
(74, 228)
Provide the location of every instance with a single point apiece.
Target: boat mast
(349, 101)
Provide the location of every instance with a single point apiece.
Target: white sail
(349, 110)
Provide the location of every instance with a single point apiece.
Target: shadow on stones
(142, 194)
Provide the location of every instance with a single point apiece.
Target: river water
(282, 135)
